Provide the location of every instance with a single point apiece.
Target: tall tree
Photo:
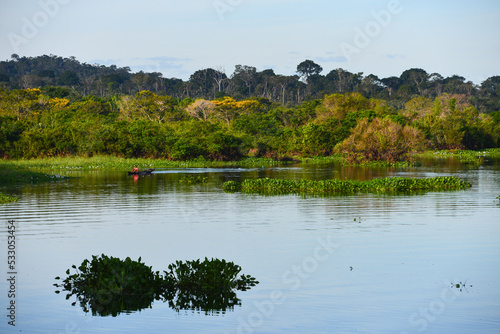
(283, 82)
(454, 84)
(392, 84)
(416, 78)
(246, 75)
(69, 78)
(308, 68)
(342, 81)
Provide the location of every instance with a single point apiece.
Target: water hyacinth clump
(7, 198)
(231, 186)
(192, 179)
(207, 285)
(213, 274)
(109, 286)
(336, 186)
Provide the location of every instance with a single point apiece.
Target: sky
(177, 38)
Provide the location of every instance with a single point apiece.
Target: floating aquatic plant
(12, 176)
(461, 285)
(336, 186)
(192, 179)
(231, 186)
(205, 285)
(108, 286)
(7, 198)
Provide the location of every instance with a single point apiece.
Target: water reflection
(106, 303)
(401, 249)
(108, 286)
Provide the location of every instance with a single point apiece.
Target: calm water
(356, 264)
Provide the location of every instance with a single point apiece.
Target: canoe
(142, 172)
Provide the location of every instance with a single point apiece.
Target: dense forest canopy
(52, 106)
(245, 82)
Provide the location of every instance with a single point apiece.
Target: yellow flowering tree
(227, 108)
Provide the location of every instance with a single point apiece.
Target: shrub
(108, 286)
(381, 140)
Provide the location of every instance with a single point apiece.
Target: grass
(319, 160)
(335, 186)
(464, 156)
(101, 162)
(339, 158)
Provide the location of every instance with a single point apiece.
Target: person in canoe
(135, 169)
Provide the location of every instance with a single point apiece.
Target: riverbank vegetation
(68, 78)
(100, 162)
(17, 173)
(146, 125)
(81, 116)
(346, 187)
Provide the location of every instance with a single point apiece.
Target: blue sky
(177, 38)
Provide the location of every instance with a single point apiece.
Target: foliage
(191, 179)
(342, 187)
(381, 140)
(108, 285)
(7, 198)
(201, 109)
(245, 82)
(16, 176)
(464, 156)
(148, 125)
(205, 285)
(213, 274)
(231, 186)
(339, 105)
(99, 162)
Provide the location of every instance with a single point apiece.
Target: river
(367, 263)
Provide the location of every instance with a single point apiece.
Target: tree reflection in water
(108, 286)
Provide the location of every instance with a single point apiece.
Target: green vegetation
(149, 126)
(16, 176)
(213, 274)
(108, 285)
(191, 179)
(60, 77)
(231, 186)
(205, 285)
(99, 162)
(343, 187)
(55, 107)
(464, 156)
(7, 199)
(12, 174)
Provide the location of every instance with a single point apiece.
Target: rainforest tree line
(245, 82)
(69, 108)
